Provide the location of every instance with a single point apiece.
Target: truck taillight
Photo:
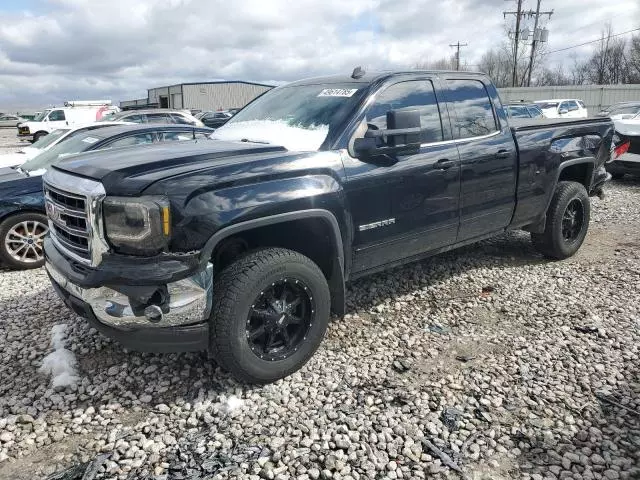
(621, 149)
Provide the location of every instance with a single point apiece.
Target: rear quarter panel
(545, 148)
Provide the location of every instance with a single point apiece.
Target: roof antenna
(358, 72)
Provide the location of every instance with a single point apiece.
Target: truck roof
(371, 77)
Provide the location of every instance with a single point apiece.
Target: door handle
(445, 164)
(503, 154)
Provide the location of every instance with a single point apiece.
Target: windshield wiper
(20, 170)
(247, 140)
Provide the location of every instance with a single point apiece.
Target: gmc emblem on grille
(53, 212)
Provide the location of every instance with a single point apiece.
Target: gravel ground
(509, 366)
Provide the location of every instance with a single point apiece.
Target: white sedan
(46, 142)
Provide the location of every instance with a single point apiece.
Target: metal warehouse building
(201, 96)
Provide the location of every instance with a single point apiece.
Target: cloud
(56, 50)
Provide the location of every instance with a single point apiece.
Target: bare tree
(634, 60)
(609, 63)
(446, 63)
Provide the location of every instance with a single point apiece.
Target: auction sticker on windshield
(338, 92)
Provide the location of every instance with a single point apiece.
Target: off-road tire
(234, 291)
(551, 243)
(6, 259)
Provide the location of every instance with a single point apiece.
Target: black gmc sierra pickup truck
(242, 246)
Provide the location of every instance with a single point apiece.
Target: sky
(57, 50)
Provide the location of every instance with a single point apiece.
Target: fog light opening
(153, 313)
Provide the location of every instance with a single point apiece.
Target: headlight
(138, 226)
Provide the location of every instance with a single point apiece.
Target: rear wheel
(567, 222)
(22, 239)
(270, 313)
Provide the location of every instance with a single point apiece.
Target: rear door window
(535, 112)
(573, 106)
(159, 118)
(180, 119)
(128, 141)
(518, 112)
(473, 110)
(412, 95)
(133, 118)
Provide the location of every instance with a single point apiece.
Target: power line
(518, 14)
(537, 36)
(592, 41)
(458, 45)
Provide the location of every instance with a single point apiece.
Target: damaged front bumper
(170, 315)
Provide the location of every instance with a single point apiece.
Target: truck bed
(543, 144)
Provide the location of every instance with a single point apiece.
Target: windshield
(47, 140)
(76, 144)
(41, 115)
(547, 105)
(298, 117)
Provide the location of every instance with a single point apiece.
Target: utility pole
(458, 45)
(537, 37)
(518, 14)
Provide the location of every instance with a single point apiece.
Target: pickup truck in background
(242, 246)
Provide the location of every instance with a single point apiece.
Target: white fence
(595, 97)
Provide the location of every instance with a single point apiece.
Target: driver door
(404, 209)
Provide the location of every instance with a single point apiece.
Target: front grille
(69, 220)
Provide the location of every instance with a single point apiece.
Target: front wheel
(22, 239)
(567, 222)
(37, 136)
(270, 313)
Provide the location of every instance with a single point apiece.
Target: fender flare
(569, 163)
(336, 277)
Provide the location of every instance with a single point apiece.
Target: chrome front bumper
(189, 301)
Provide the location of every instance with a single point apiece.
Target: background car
(626, 155)
(625, 112)
(23, 223)
(605, 112)
(524, 110)
(11, 120)
(215, 119)
(563, 108)
(48, 141)
(157, 115)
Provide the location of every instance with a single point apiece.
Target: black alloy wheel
(573, 220)
(280, 319)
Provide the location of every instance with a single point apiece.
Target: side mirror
(401, 136)
(563, 111)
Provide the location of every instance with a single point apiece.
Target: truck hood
(128, 171)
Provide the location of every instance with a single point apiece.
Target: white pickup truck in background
(73, 113)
